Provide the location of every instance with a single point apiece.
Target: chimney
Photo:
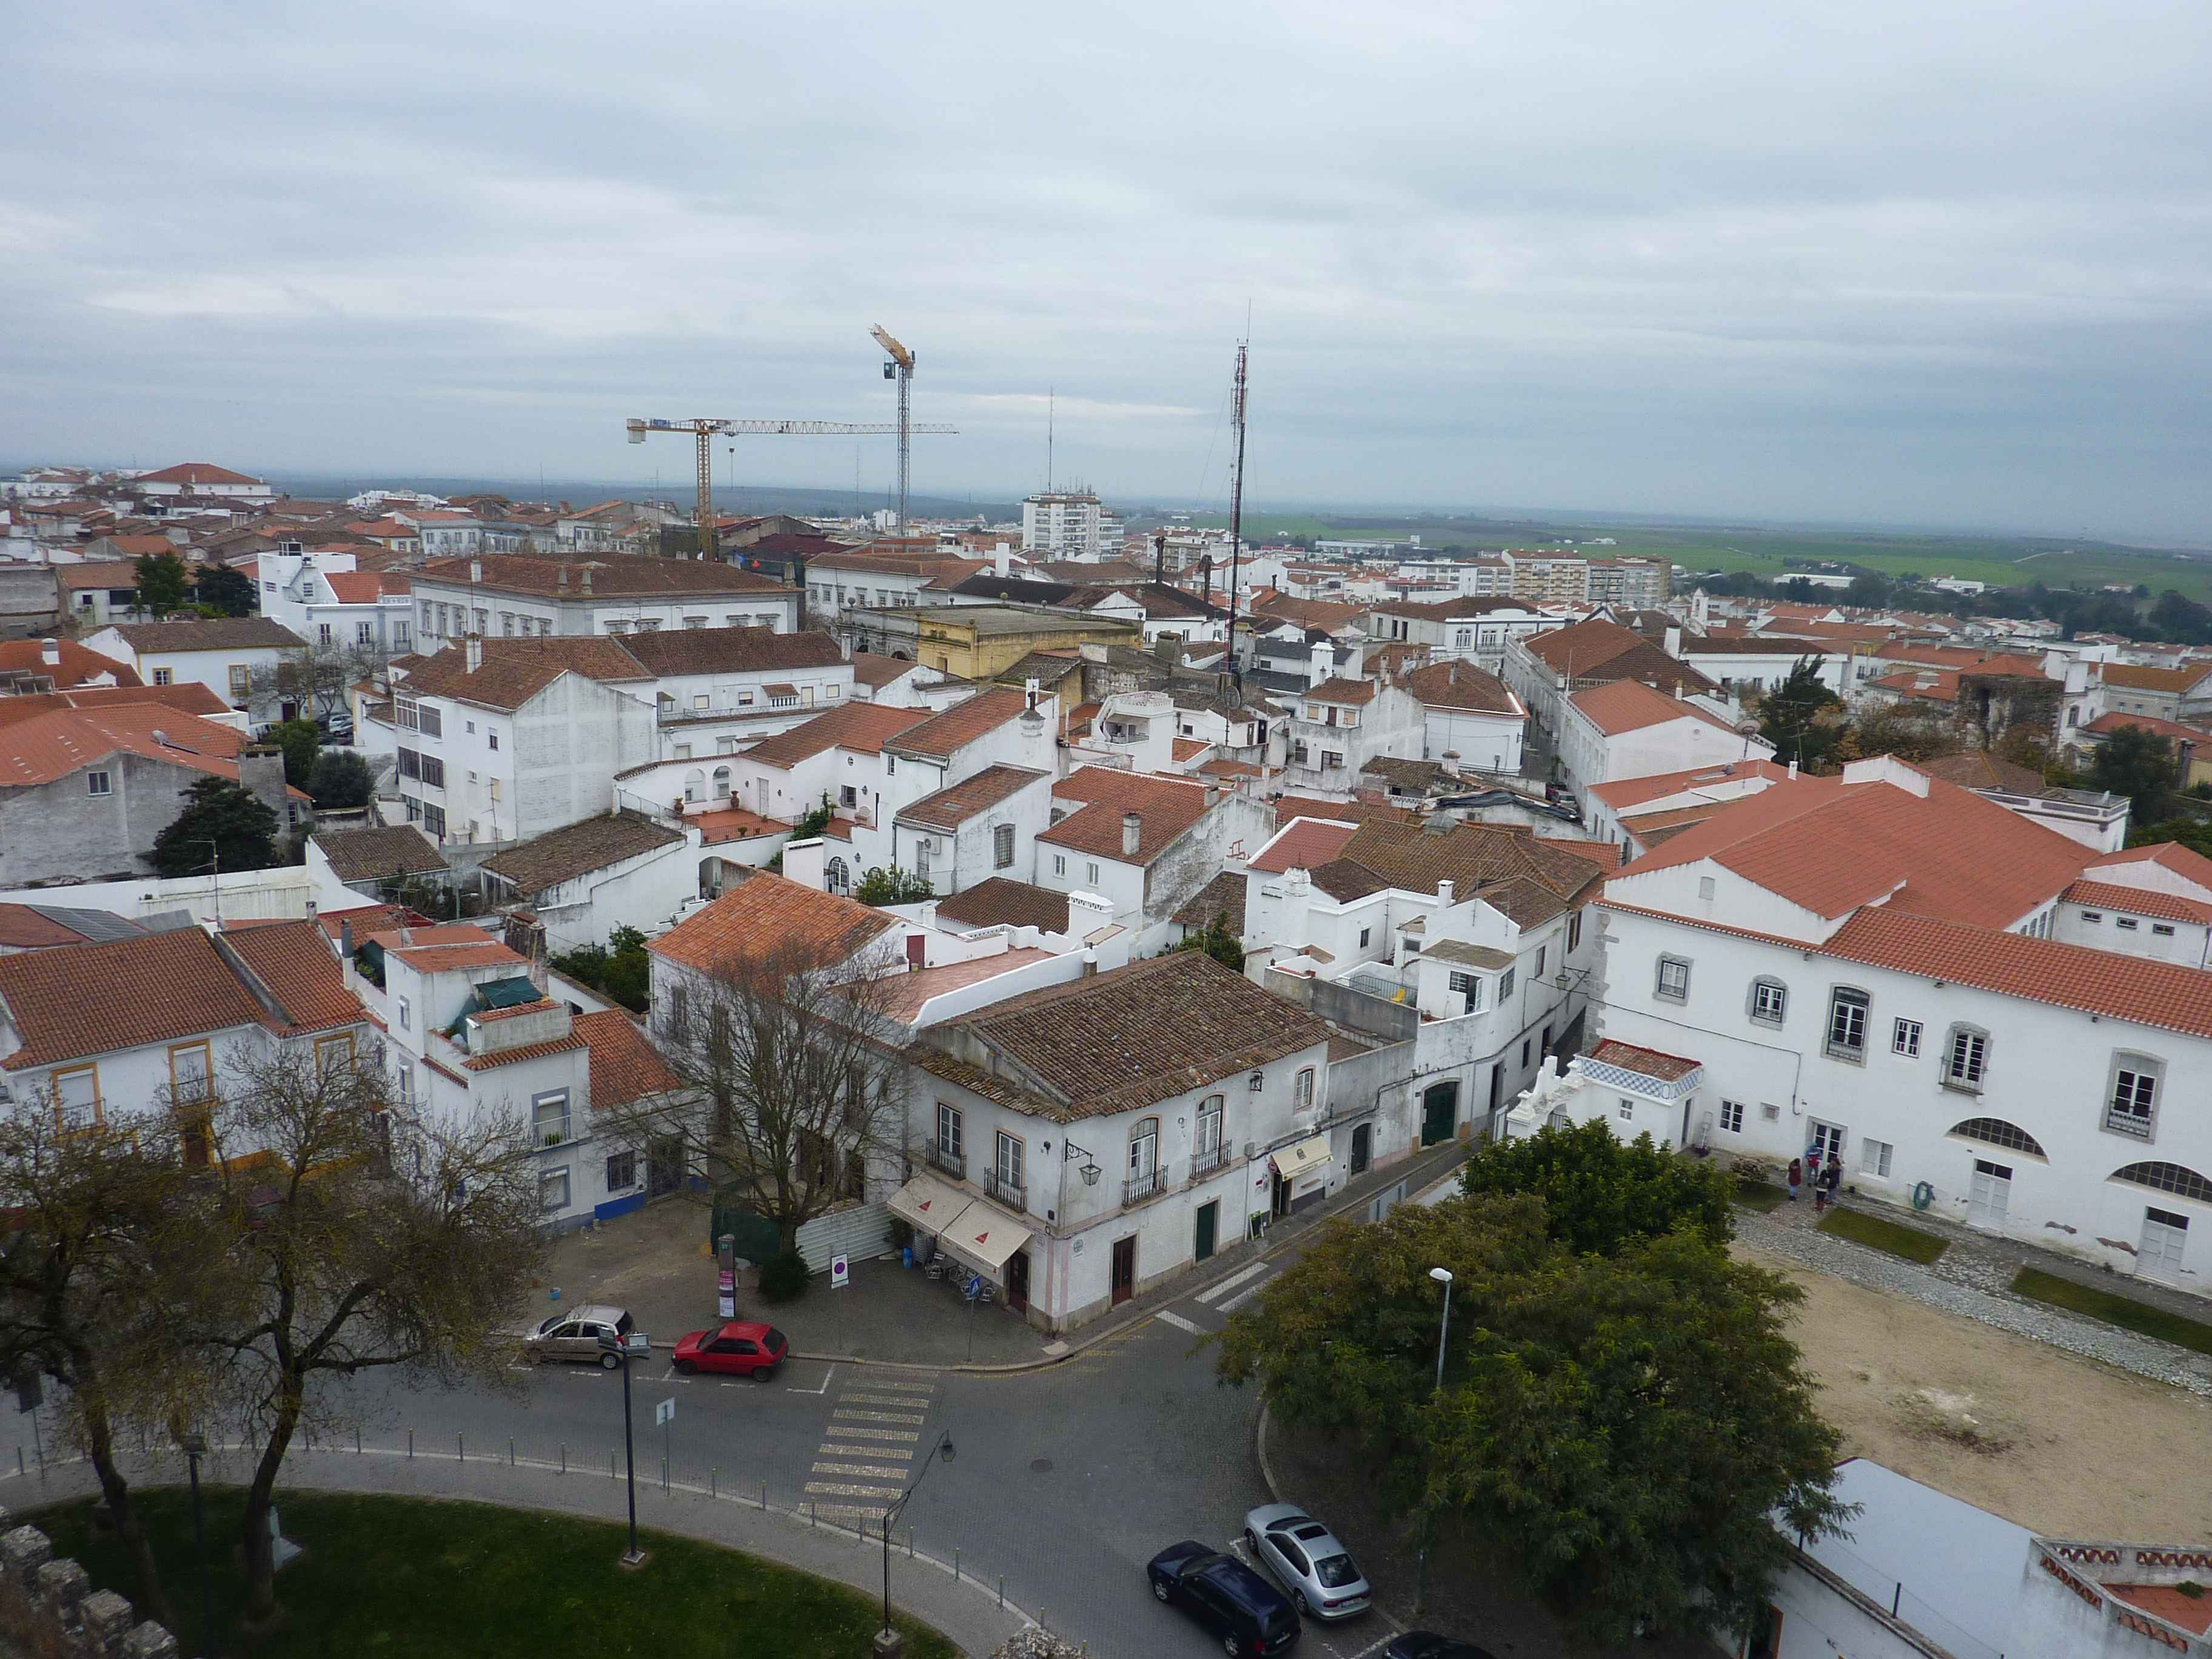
(50, 653)
(1445, 890)
(1030, 688)
(1322, 664)
(1132, 833)
(476, 570)
(474, 645)
(1090, 963)
(1002, 561)
(560, 577)
(345, 952)
(1793, 771)
(1673, 639)
(587, 579)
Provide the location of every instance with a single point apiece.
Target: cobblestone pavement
(1972, 1278)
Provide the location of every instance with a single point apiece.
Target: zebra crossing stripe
(829, 1448)
(880, 1399)
(870, 1471)
(838, 1488)
(876, 1416)
(854, 1431)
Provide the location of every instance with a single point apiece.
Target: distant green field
(2001, 562)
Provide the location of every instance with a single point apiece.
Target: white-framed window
(77, 1096)
(1904, 1038)
(1002, 847)
(1008, 1156)
(549, 1116)
(1365, 934)
(1672, 982)
(950, 1125)
(1965, 1058)
(2092, 917)
(98, 783)
(1770, 999)
(2161, 929)
(162, 677)
(553, 1189)
(1505, 985)
(1207, 1136)
(1627, 1107)
(1542, 950)
(1847, 1023)
(2131, 1100)
(401, 1003)
(1468, 988)
(1874, 1158)
(1093, 877)
(2125, 924)
(1574, 932)
(1302, 1094)
(1732, 1116)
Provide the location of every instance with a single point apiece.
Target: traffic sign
(663, 1413)
(840, 1273)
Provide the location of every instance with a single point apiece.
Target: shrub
(783, 1278)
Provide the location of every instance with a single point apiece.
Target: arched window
(721, 782)
(695, 784)
(1996, 1132)
(836, 879)
(1144, 1161)
(2181, 1182)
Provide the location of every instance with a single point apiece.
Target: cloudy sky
(1877, 261)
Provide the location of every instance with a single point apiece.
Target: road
(1065, 1480)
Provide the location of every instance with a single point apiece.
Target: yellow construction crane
(705, 431)
(900, 368)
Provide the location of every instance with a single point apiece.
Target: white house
(1470, 721)
(1337, 726)
(2153, 902)
(511, 595)
(1640, 812)
(999, 727)
(174, 487)
(1626, 729)
(1146, 844)
(585, 879)
(224, 654)
(322, 596)
(1467, 627)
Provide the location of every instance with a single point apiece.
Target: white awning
(929, 1202)
(986, 1235)
(1300, 1159)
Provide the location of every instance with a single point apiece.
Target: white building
(1471, 625)
(324, 597)
(1069, 524)
(586, 879)
(1470, 721)
(1338, 725)
(1625, 729)
(175, 486)
(224, 654)
(1143, 843)
(511, 595)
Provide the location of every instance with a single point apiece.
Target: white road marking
(824, 1389)
(849, 1513)
(851, 1432)
(870, 1471)
(880, 1398)
(1233, 1281)
(828, 1450)
(840, 1489)
(900, 1382)
(852, 1415)
(1378, 1642)
(1180, 1322)
(1240, 1299)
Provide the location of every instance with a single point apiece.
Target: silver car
(1304, 1557)
(575, 1336)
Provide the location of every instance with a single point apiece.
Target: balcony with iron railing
(1009, 1192)
(952, 1162)
(1207, 1160)
(1139, 1187)
(2121, 1121)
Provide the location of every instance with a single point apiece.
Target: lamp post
(1443, 1277)
(889, 1644)
(615, 1346)
(194, 1447)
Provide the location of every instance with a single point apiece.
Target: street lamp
(889, 1644)
(621, 1351)
(1443, 1277)
(194, 1446)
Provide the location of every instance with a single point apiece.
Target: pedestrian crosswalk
(866, 1457)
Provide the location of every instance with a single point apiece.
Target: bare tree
(792, 1073)
(313, 676)
(91, 1211)
(341, 1236)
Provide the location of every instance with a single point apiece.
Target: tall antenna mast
(1236, 508)
(1051, 408)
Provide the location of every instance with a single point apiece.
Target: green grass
(1761, 1195)
(2124, 1311)
(1876, 1233)
(406, 1578)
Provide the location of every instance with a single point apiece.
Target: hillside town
(1154, 894)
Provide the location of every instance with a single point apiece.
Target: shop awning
(985, 1236)
(1301, 1157)
(929, 1202)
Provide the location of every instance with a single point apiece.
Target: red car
(744, 1347)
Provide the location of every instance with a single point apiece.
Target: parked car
(1243, 1609)
(1427, 1645)
(574, 1335)
(1304, 1556)
(744, 1347)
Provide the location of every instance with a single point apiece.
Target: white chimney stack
(1132, 833)
(476, 570)
(50, 653)
(474, 646)
(1002, 561)
(1673, 640)
(1322, 665)
(1445, 891)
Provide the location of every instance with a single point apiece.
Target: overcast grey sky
(1878, 260)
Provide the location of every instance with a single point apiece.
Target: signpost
(664, 1415)
(840, 1273)
(726, 1300)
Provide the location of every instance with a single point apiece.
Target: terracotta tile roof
(196, 472)
(764, 913)
(1606, 854)
(948, 809)
(1168, 810)
(207, 633)
(53, 745)
(2169, 854)
(2138, 901)
(942, 736)
(1623, 706)
(1411, 777)
(380, 850)
(730, 651)
(1607, 651)
(293, 962)
(1183, 749)
(1002, 902)
(1303, 844)
(77, 665)
(366, 587)
(444, 948)
(1527, 880)
(876, 673)
(906, 992)
(2104, 725)
(511, 672)
(2137, 677)
(614, 576)
(368, 918)
(1978, 768)
(731, 824)
(1327, 614)
(97, 575)
(1348, 811)
(1341, 690)
(1830, 846)
(498, 1058)
(1458, 684)
(578, 848)
(1222, 768)
(1222, 896)
(24, 928)
(1132, 1037)
(863, 727)
(1644, 1062)
(1929, 685)
(1629, 792)
(82, 999)
(625, 1066)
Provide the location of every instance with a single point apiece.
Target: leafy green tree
(891, 885)
(1631, 1436)
(1868, 590)
(2193, 833)
(1218, 942)
(1799, 717)
(301, 741)
(1602, 1193)
(619, 969)
(2140, 765)
(1901, 730)
(162, 579)
(340, 779)
(225, 591)
(2181, 618)
(241, 829)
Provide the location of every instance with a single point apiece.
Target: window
(2131, 1101)
(434, 772)
(1541, 952)
(1732, 1116)
(1365, 933)
(1505, 986)
(1769, 999)
(1904, 1038)
(921, 856)
(434, 821)
(2161, 929)
(162, 677)
(1574, 932)
(403, 1011)
(549, 1116)
(1207, 1138)
(191, 1075)
(1093, 877)
(1468, 987)
(2173, 1178)
(1996, 1132)
(1847, 1024)
(1007, 1165)
(1674, 983)
(241, 678)
(1302, 1096)
(77, 1096)
(1144, 1158)
(333, 1053)
(1705, 887)
(2125, 924)
(950, 1123)
(1627, 1107)
(491, 739)
(1874, 1158)
(1058, 864)
(622, 1171)
(1002, 847)
(1965, 1058)
(97, 783)
(553, 1189)
(323, 632)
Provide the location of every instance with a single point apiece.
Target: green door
(1209, 1219)
(1439, 1112)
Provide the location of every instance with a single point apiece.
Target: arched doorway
(836, 879)
(721, 783)
(695, 784)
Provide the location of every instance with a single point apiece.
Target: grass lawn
(2121, 1310)
(1761, 1195)
(416, 1579)
(1876, 1233)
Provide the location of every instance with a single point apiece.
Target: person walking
(1819, 1191)
(1796, 1175)
(1832, 1178)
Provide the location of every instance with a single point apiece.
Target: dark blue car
(1249, 1614)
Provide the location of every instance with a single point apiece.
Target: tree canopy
(1800, 716)
(1626, 1432)
(619, 969)
(888, 884)
(301, 741)
(226, 592)
(162, 579)
(341, 778)
(241, 829)
(2138, 765)
(1218, 942)
(1601, 1193)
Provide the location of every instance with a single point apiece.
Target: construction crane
(900, 368)
(706, 431)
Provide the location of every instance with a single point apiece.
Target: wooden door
(1209, 1225)
(1439, 1113)
(1018, 1281)
(1125, 1269)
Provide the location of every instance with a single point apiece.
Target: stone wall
(49, 1609)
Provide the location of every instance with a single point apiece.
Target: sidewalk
(656, 1264)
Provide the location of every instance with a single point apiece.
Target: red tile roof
(763, 915)
(77, 665)
(948, 809)
(1168, 808)
(2170, 854)
(1002, 900)
(942, 736)
(1183, 749)
(2137, 677)
(22, 928)
(1630, 706)
(52, 745)
(196, 472)
(2138, 901)
(1341, 690)
(1303, 844)
(295, 963)
(1644, 1062)
(1458, 684)
(863, 727)
(1631, 792)
(515, 1056)
(366, 587)
(510, 672)
(1606, 854)
(76, 1000)
(2105, 725)
(625, 1066)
